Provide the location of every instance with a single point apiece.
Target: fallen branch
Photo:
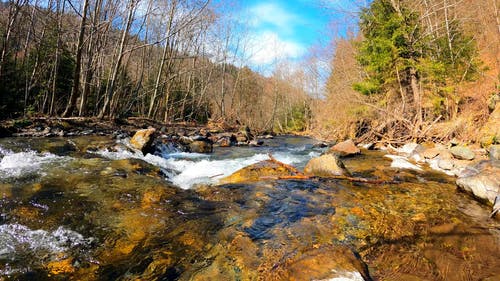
(286, 166)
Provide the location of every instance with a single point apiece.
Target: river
(87, 208)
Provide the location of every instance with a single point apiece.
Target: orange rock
(61, 266)
(143, 139)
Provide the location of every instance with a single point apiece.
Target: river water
(90, 209)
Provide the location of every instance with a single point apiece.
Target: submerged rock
(326, 165)
(143, 139)
(462, 152)
(485, 184)
(201, 146)
(345, 148)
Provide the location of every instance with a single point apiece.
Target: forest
(426, 69)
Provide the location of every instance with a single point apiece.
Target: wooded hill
(171, 61)
(417, 70)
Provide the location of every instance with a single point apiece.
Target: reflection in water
(97, 216)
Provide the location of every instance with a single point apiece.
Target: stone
(345, 148)
(495, 152)
(484, 185)
(142, 140)
(258, 171)
(445, 164)
(431, 153)
(326, 165)
(462, 152)
(224, 142)
(201, 146)
(241, 138)
(490, 133)
(409, 148)
(401, 162)
(256, 143)
(320, 145)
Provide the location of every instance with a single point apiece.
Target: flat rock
(462, 152)
(345, 148)
(401, 162)
(258, 171)
(326, 165)
(484, 185)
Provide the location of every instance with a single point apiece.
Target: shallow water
(112, 214)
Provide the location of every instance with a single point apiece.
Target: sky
(282, 29)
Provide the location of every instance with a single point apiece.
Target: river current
(91, 209)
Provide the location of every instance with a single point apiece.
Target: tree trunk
(168, 34)
(109, 92)
(78, 64)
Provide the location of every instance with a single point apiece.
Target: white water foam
(346, 276)
(15, 238)
(189, 169)
(16, 164)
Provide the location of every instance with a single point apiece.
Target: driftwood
(301, 176)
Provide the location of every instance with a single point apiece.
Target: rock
(320, 145)
(142, 140)
(409, 149)
(241, 138)
(256, 143)
(401, 162)
(445, 164)
(368, 146)
(431, 153)
(490, 133)
(326, 165)
(462, 152)
(345, 148)
(201, 146)
(484, 185)
(224, 142)
(266, 137)
(258, 171)
(495, 152)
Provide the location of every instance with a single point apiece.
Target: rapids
(91, 209)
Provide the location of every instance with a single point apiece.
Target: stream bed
(88, 209)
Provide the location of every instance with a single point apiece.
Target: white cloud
(266, 47)
(274, 15)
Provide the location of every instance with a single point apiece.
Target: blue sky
(283, 29)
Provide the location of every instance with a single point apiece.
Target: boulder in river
(201, 146)
(462, 152)
(484, 184)
(143, 140)
(326, 165)
(262, 170)
(345, 148)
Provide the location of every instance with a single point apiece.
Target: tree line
(171, 61)
(415, 70)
